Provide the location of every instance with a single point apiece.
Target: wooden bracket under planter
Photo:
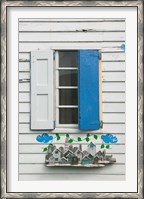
(70, 156)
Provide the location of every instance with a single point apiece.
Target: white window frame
(65, 128)
(58, 125)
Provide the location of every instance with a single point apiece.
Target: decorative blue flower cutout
(123, 47)
(44, 138)
(109, 138)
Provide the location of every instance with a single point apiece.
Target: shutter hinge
(100, 55)
(54, 124)
(101, 124)
(54, 55)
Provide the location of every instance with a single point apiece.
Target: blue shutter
(88, 90)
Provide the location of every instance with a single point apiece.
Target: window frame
(57, 106)
(66, 128)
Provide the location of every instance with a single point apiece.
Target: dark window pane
(68, 97)
(68, 115)
(68, 77)
(68, 59)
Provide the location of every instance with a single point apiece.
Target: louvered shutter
(88, 90)
(42, 90)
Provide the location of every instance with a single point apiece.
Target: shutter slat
(41, 90)
(88, 114)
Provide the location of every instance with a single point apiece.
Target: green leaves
(45, 149)
(88, 135)
(107, 146)
(103, 146)
(79, 139)
(57, 136)
(87, 139)
(67, 135)
(95, 137)
(70, 140)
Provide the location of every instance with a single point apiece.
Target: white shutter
(42, 90)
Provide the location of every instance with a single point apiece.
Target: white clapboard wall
(105, 34)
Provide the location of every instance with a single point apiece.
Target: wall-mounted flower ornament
(109, 138)
(45, 138)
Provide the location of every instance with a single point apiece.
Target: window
(65, 89)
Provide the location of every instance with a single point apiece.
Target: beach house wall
(106, 35)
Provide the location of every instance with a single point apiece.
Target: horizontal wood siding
(107, 107)
(107, 118)
(105, 34)
(72, 26)
(80, 36)
(41, 169)
(107, 127)
(106, 66)
(105, 46)
(37, 148)
(67, 177)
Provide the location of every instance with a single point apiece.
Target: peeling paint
(86, 30)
